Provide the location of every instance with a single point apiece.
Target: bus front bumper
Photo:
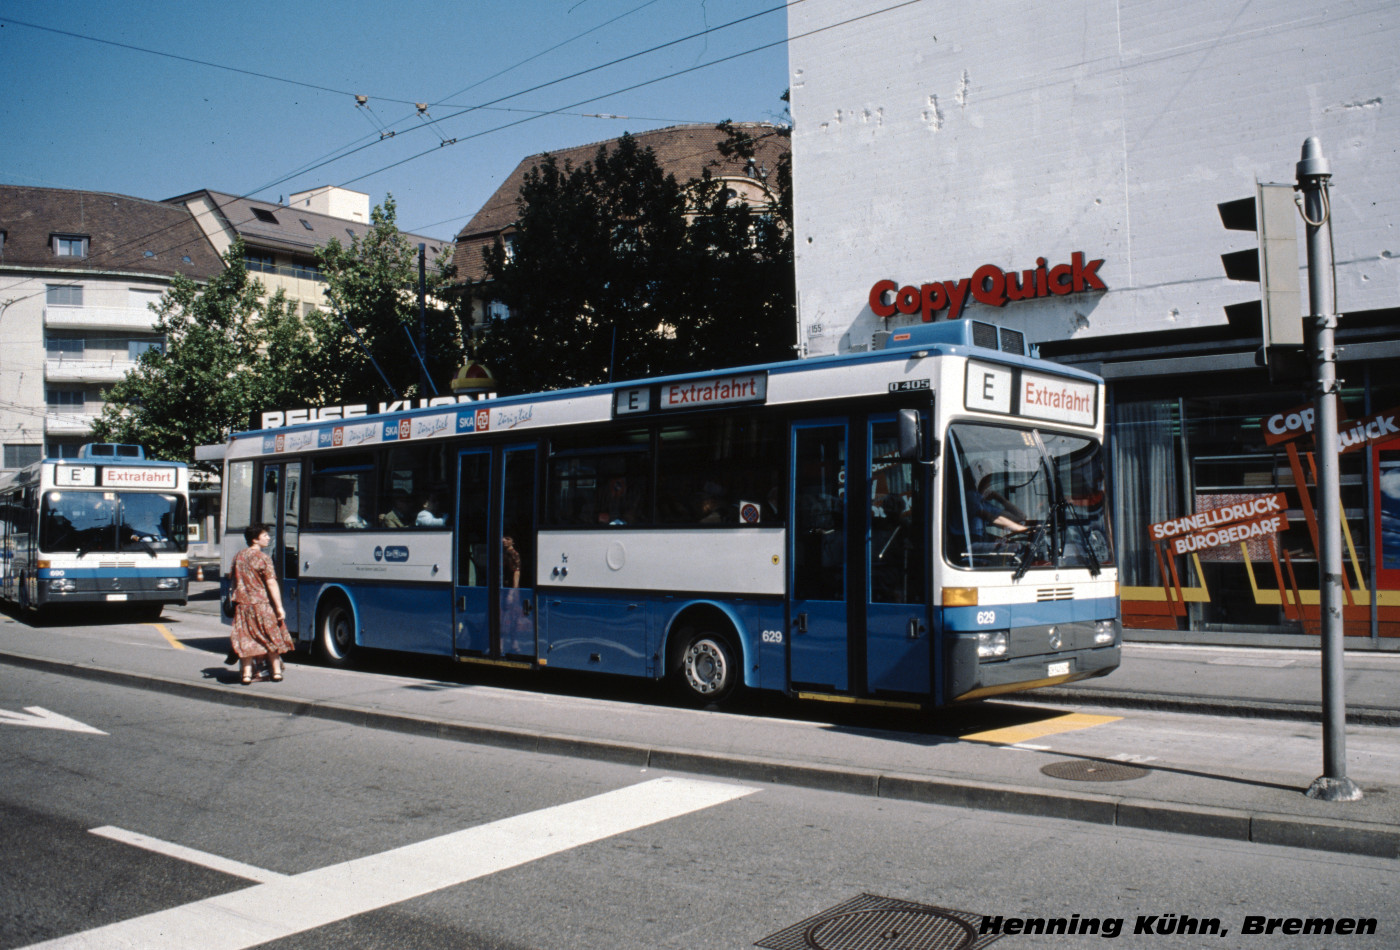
(1030, 660)
(112, 590)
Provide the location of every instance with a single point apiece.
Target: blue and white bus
(916, 525)
(108, 527)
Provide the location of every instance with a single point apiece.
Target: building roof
(125, 234)
(292, 230)
(684, 151)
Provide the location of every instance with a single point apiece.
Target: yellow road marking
(1036, 730)
(169, 636)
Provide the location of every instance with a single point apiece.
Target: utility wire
(532, 117)
(188, 59)
(625, 89)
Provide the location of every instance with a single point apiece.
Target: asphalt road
(297, 832)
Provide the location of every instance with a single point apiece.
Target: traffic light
(1274, 266)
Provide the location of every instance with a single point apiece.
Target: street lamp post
(1314, 173)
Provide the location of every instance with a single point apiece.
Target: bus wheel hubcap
(705, 666)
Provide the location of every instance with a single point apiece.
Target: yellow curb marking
(1036, 730)
(169, 636)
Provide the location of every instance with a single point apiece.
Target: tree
(594, 251)
(224, 356)
(737, 285)
(616, 271)
(372, 287)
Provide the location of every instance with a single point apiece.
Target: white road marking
(202, 858)
(43, 719)
(277, 909)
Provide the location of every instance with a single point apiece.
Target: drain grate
(871, 922)
(1084, 770)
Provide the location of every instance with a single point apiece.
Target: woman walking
(259, 627)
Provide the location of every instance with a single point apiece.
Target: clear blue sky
(89, 115)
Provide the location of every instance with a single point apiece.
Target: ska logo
(405, 429)
(338, 436)
(483, 420)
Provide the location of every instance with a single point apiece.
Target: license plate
(116, 597)
(1058, 669)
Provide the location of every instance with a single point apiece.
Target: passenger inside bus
(433, 513)
(400, 513)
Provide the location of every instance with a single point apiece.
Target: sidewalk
(1259, 683)
(1256, 795)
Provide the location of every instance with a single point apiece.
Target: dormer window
(70, 245)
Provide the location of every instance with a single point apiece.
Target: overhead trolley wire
(625, 89)
(187, 59)
(483, 107)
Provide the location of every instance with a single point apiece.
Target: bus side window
(239, 498)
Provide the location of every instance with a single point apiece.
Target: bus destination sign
(692, 394)
(1013, 391)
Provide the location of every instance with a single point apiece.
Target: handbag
(226, 601)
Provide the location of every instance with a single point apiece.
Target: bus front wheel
(707, 667)
(335, 633)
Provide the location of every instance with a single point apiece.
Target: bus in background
(108, 527)
(912, 526)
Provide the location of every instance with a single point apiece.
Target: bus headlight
(62, 585)
(168, 583)
(1104, 632)
(992, 643)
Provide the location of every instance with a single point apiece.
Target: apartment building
(280, 240)
(79, 271)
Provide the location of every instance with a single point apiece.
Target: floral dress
(256, 629)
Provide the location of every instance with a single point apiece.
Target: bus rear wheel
(706, 669)
(335, 633)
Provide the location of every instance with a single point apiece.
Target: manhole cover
(1084, 770)
(870, 922)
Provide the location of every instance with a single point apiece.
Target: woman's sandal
(247, 678)
(277, 673)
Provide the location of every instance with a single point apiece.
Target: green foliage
(617, 271)
(372, 286)
(220, 363)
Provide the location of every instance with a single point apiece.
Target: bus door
(896, 558)
(516, 614)
(281, 498)
(289, 534)
(494, 594)
(472, 590)
(817, 618)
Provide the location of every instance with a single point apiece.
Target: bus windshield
(1020, 499)
(112, 522)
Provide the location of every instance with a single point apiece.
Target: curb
(1213, 706)
(1350, 837)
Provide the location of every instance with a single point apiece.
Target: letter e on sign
(988, 388)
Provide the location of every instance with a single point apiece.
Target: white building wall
(334, 201)
(937, 137)
(113, 313)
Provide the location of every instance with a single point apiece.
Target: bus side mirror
(911, 439)
(911, 436)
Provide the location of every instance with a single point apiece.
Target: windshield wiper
(1060, 511)
(1029, 547)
